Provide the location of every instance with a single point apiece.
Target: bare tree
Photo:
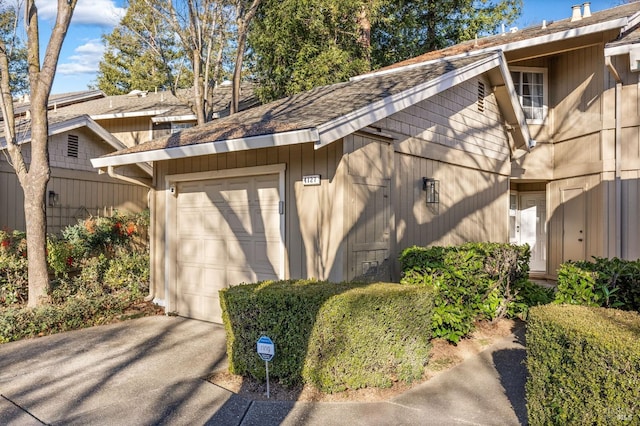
(34, 175)
(245, 12)
(201, 27)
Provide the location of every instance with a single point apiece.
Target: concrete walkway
(151, 371)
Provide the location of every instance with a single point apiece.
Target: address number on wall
(309, 180)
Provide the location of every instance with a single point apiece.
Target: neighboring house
(85, 125)
(521, 137)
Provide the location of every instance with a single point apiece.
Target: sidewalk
(151, 371)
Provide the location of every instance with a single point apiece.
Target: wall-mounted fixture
(432, 188)
(53, 199)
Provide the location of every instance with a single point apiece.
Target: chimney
(587, 9)
(576, 15)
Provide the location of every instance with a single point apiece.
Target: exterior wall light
(432, 188)
(53, 198)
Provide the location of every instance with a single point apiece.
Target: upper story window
(532, 88)
(177, 127)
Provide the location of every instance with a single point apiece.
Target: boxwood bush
(332, 335)
(473, 281)
(611, 283)
(584, 366)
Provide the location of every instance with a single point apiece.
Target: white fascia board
(130, 114)
(359, 119)
(620, 50)
(523, 127)
(86, 121)
(535, 41)
(214, 147)
(174, 118)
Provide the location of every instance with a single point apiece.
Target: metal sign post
(266, 349)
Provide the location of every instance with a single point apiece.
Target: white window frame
(545, 91)
(178, 127)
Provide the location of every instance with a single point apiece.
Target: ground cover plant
(99, 269)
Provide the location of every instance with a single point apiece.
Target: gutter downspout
(618, 155)
(147, 183)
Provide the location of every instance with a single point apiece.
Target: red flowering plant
(13, 268)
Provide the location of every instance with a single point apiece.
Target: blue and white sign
(266, 348)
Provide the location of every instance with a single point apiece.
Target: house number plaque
(310, 180)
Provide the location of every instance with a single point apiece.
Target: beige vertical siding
(631, 215)
(80, 195)
(473, 204)
(82, 192)
(596, 192)
(130, 131)
(449, 139)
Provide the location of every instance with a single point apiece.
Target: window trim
(545, 91)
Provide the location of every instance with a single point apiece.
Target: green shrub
(76, 312)
(369, 337)
(473, 281)
(14, 285)
(602, 282)
(97, 269)
(305, 319)
(584, 366)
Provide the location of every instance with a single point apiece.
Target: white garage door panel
(228, 233)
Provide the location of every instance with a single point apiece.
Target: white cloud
(85, 59)
(104, 13)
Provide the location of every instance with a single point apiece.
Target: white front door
(528, 225)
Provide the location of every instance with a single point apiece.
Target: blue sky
(82, 49)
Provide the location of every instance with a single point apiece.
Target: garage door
(228, 232)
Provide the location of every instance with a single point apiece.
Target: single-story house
(516, 137)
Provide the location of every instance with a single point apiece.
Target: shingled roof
(325, 114)
(321, 115)
(617, 17)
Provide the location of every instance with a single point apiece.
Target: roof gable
(321, 115)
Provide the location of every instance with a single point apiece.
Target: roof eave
(621, 23)
(130, 114)
(170, 118)
(214, 147)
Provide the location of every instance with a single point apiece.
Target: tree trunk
(36, 218)
(243, 27)
(35, 177)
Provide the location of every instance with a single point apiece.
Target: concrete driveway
(144, 371)
(151, 371)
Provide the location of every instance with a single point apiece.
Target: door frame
(171, 201)
(518, 232)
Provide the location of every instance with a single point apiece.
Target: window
(177, 127)
(72, 146)
(531, 87)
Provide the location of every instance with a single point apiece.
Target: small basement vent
(72, 146)
(481, 94)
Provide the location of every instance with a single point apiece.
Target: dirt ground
(443, 357)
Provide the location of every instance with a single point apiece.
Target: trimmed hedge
(335, 336)
(584, 366)
(611, 283)
(473, 281)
